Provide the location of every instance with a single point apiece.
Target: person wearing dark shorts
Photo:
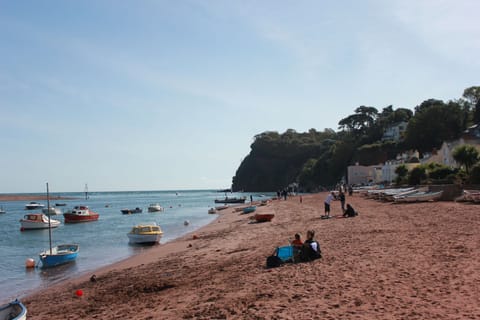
(328, 200)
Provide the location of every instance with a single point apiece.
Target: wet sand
(408, 261)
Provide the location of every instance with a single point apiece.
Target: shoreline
(20, 197)
(391, 260)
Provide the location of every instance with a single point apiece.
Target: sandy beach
(408, 261)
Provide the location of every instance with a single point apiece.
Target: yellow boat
(145, 234)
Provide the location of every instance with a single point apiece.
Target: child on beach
(297, 244)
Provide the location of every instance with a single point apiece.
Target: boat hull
(231, 200)
(14, 310)
(420, 197)
(249, 209)
(144, 239)
(155, 208)
(266, 217)
(130, 211)
(73, 218)
(37, 221)
(60, 254)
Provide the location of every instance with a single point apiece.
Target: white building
(395, 132)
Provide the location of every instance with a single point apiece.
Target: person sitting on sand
(297, 244)
(350, 212)
(311, 248)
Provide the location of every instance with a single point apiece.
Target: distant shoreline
(22, 197)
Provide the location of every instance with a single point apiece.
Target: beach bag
(274, 262)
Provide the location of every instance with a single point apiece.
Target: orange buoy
(30, 263)
(79, 293)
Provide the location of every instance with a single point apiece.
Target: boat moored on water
(145, 234)
(58, 255)
(155, 207)
(231, 200)
(14, 310)
(80, 214)
(51, 211)
(34, 205)
(130, 211)
(34, 221)
(212, 210)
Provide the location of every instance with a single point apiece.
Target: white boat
(14, 310)
(471, 195)
(34, 221)
(155, 207)
(2, 210)
(390, 195)
(52, 211)
(145, 234)
(34, 205)
(421, 196)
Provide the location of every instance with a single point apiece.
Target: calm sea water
(101, 242)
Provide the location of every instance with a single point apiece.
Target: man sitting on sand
(311, 248)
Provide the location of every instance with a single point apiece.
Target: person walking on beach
(328, 200)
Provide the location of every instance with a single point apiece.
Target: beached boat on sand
(419, 196)
(36, 221)
(263, 217)
(14, 310)
(80, 214)
(145, 234)
(249, 209)
(471, 195)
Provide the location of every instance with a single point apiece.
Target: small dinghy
(14, 310)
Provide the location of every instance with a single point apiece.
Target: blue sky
(155, 95)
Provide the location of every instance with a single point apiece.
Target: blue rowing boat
(249, 209)
(58, 255)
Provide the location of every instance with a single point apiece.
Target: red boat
(263, 217)
(80, 214)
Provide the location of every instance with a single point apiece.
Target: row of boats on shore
(412, 194)
(409, 194)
